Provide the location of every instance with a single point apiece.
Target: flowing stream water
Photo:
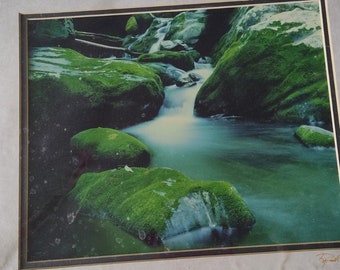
(293, 191)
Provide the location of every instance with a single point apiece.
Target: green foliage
(314, 136)
(145, 199)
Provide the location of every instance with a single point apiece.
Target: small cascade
(164, 26)
(194, 211)
(198, 221)
(176, 117)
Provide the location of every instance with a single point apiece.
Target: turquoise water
(293, 191)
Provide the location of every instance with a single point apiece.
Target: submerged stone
(159, 204)
(315, 136)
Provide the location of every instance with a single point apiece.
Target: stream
(293, 191)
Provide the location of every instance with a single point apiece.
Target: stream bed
(293, 191)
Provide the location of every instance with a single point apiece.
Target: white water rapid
(164, 25)
(173, 124)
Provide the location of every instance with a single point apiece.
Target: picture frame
(27, 122)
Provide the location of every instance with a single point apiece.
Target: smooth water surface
(293, 191)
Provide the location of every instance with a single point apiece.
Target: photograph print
(177, 131)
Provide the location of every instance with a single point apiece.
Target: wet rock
(181, 32)
(182, 60)
(160, 203)
(65, 81)
(270, 65)
(313, 136)
(168, 73)
(69, 93)
(187, 27)
(139, 23)
(185, 82)
(108, 149)
(177, 45)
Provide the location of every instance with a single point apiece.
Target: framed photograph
(178, 131)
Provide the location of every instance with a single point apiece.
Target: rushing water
(293, 191)
(163, 28)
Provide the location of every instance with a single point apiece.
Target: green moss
(145, 199)
(123, 92)
(106, 143)
(131, 25)
(183, 60)
(264, 75)
(314, 136)
(91, 77)
(267, 69)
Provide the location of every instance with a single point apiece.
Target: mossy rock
(143, 43)
(131, 25)
(123, 92)
(269, 65)
(68, 93)
(159, 203)
(109, 148)
(313, 136)
(188, 27)
(182, 60)
(139, 23)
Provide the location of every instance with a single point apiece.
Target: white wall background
(9, 144)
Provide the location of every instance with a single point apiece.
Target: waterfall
(195, 211)
(164, 25)
(197, 222)
(176, 117)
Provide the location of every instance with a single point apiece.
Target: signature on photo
(326, 258)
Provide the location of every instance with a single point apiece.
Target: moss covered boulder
(183, 60)
(68, 93)
(270, 64)
(142, 43)
(73, 88)
(187, 27)
(170, 31)
(109, 148)
(312, 136)
(139, 23)
(158, 204)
